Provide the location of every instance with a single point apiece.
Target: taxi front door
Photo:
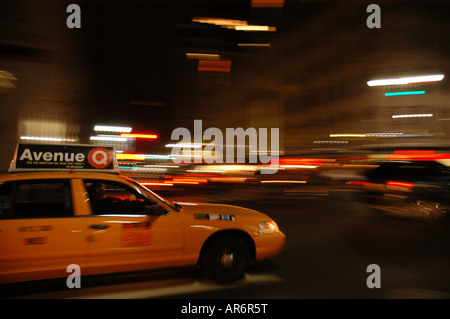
(119, 242)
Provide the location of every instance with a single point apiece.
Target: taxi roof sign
(33, 157)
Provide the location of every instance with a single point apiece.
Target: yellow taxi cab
(64, 205)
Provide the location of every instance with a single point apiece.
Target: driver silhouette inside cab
(99, 204)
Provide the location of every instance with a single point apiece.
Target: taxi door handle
(98, 226)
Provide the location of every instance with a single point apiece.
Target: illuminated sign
(63, 157)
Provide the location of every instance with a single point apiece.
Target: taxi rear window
(37, 199)
(5, 199)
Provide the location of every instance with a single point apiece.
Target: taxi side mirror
(156, 210)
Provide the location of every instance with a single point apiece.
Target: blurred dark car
(416, 189)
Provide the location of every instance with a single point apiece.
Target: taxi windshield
(168, 202)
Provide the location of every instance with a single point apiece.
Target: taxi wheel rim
(228, 258)
(227, 261)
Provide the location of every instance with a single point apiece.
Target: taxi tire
(213, 260)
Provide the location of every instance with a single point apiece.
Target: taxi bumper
(269, 245)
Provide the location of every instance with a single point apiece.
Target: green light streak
(404, 93)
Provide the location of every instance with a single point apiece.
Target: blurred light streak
(104, 128)
(404, 93)
(423, 155)
(188, 155)
(134, 157)
(220, 22)
(162, 166)
(108, 138)
(229, 179)
(141, 170)
(215, 66)
(147, 136)
(399, 184)
(328, 149)
(202, 171)
(330, 142)
(295, 161)
(414, 152)
(262, 45)
(50, 139)
(225, 168)
(400, 116)
(299, 166)
(267, 3)
(157, 156)
(282, 182)
(185, 145)
(155, 184)
(203, 56)
(302, 161)
(201, 175)
(406, 80)
(186, 180)
(265, 152)
(254, 28)
(130, 156)
(347, 135)
(384, 134)
(239, 25)
(379, 134)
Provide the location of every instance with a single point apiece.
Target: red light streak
(213, 65)
(148, 136)
(300, 161)
(400, 184)
(414, 152)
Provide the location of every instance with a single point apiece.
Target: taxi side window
(43, 199)
(115, 198)
(5, 199)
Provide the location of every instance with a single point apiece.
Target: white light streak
(400, 116)
(347, 135)
(50, 139)
(185, 145)
(104, 128)
(298, 166)
(406, 80)
(108, 138)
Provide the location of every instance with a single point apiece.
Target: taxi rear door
(124, 236)
(39, 232)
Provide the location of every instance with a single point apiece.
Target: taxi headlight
(268, 227)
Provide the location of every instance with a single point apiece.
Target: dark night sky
(136, 49)
(136, 52)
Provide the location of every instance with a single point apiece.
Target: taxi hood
(219, 211)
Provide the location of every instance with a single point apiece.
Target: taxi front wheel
(226, 258)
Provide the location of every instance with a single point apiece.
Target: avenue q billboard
(63, 157)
